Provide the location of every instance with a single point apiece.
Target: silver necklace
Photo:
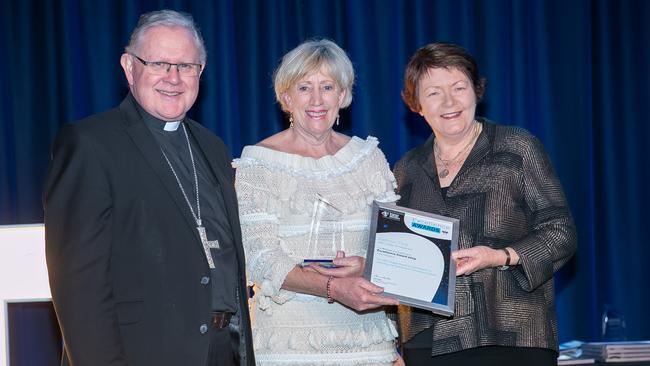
(449, 162)
(207, 244)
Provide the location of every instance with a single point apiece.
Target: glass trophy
(613, 325)
(326, 231)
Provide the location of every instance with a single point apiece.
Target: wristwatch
(507, 265)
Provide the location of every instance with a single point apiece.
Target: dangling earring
(337, 119)
(290, 120)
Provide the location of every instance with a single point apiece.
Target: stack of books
(617, 351)
(571, 354)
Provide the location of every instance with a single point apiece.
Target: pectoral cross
(207, 245)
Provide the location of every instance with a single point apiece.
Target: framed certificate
(409, 255)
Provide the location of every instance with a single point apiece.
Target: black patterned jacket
(506, 194)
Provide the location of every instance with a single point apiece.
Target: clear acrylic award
(613, 325)
(325, 232)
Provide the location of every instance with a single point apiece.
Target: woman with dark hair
(516, 229)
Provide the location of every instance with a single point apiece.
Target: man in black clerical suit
(143, 241)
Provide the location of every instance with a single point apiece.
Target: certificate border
(445, 309)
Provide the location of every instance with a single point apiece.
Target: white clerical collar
(172, 126)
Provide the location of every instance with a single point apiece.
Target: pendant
(207, 245)
(443, 173)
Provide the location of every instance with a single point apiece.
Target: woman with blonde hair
(311, 315)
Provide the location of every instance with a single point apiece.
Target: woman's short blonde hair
(311, 56)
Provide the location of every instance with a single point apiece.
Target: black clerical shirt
(223, 277)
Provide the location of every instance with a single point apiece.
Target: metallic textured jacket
(506, 194)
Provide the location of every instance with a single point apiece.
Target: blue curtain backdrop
(573, 72)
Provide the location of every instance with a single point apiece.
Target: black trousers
(483, 356)
(223, 349)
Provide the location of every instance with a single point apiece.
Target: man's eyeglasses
(162, 68)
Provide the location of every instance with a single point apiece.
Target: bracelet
(330, 300)
(507, 265)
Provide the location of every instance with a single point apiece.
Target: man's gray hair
(167, 18)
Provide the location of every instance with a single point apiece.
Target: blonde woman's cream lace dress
(276, 193)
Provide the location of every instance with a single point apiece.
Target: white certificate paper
(409, 255)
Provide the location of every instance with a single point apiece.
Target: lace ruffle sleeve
(259, 204)
(381, 180)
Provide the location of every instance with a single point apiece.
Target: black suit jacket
(124, 257)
